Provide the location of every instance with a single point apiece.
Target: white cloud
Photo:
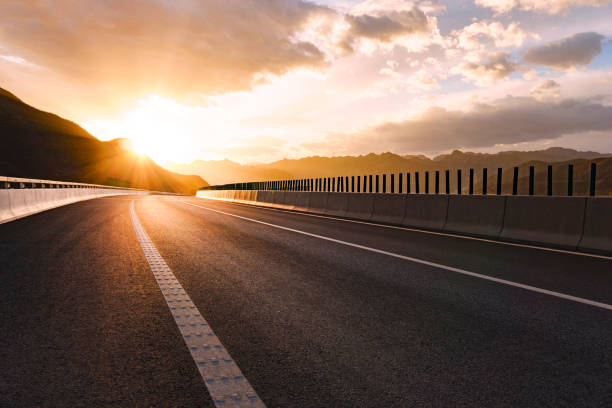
(475, 35)
(544, 6)
(548, 89)
(493, 68)
(505, 121)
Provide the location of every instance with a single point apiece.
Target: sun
(155, 130)
(151, 146)
(164, 129)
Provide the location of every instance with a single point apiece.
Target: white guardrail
(21, 197)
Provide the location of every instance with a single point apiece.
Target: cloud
(179, 48)
(388, 26)
(493, 68)
(189, 48)
(545, 6)
(567, 53)
(548, 89)
(506, 121)
(510, 120)
(473, 36)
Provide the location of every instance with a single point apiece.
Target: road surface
(314, 311)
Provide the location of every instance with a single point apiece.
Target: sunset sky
(260, 80)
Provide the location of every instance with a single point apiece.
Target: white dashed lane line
(225, 382)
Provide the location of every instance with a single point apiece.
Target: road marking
(422, 231)
(421, 261)
(226, 384)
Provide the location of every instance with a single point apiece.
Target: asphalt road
(311, 322)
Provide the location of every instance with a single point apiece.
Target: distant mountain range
(225, 171)
(37, 144)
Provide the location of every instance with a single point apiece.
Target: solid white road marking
(421, 231)
(226, 384)
(421, 261)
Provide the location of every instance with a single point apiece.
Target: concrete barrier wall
(318, 202)
(5, 203)
(302, 201)
(426, 211)
(284, 199)
(389, 208)
(567, 222)
(361, 206)
(476, 215)
(252, 198)
(265, 197)
(555, 221)
(337, 204)
(597, 232)
(20, 202)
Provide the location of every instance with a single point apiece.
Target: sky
(263, 80)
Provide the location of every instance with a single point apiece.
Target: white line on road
(420, 231)
(421, 261)
(226, 384)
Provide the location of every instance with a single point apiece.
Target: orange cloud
(180, 48)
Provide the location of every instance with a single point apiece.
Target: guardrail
(21, 197)
(583, 223)
(431, 183)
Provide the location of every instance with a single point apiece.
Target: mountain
(225, 171)
(457, 158)
(41, 145)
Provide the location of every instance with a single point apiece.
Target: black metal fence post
(458, 181)
(384, 183)
(370, 182)
(570, 180)
(352, 184)
(407, 183)
(426, 182)
(416, 182)
(593, 179)
(484, 181)
(471, 187)
(377, 183)
(447, 174)
(392, 183)
(437, 182)
(531, 180)
(499, 181)
(400, 182)
(549, 181)
(515, 181)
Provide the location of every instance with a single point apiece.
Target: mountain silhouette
(41, 145)
(225, 171)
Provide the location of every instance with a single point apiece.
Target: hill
(37, 144)
(226, 171)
